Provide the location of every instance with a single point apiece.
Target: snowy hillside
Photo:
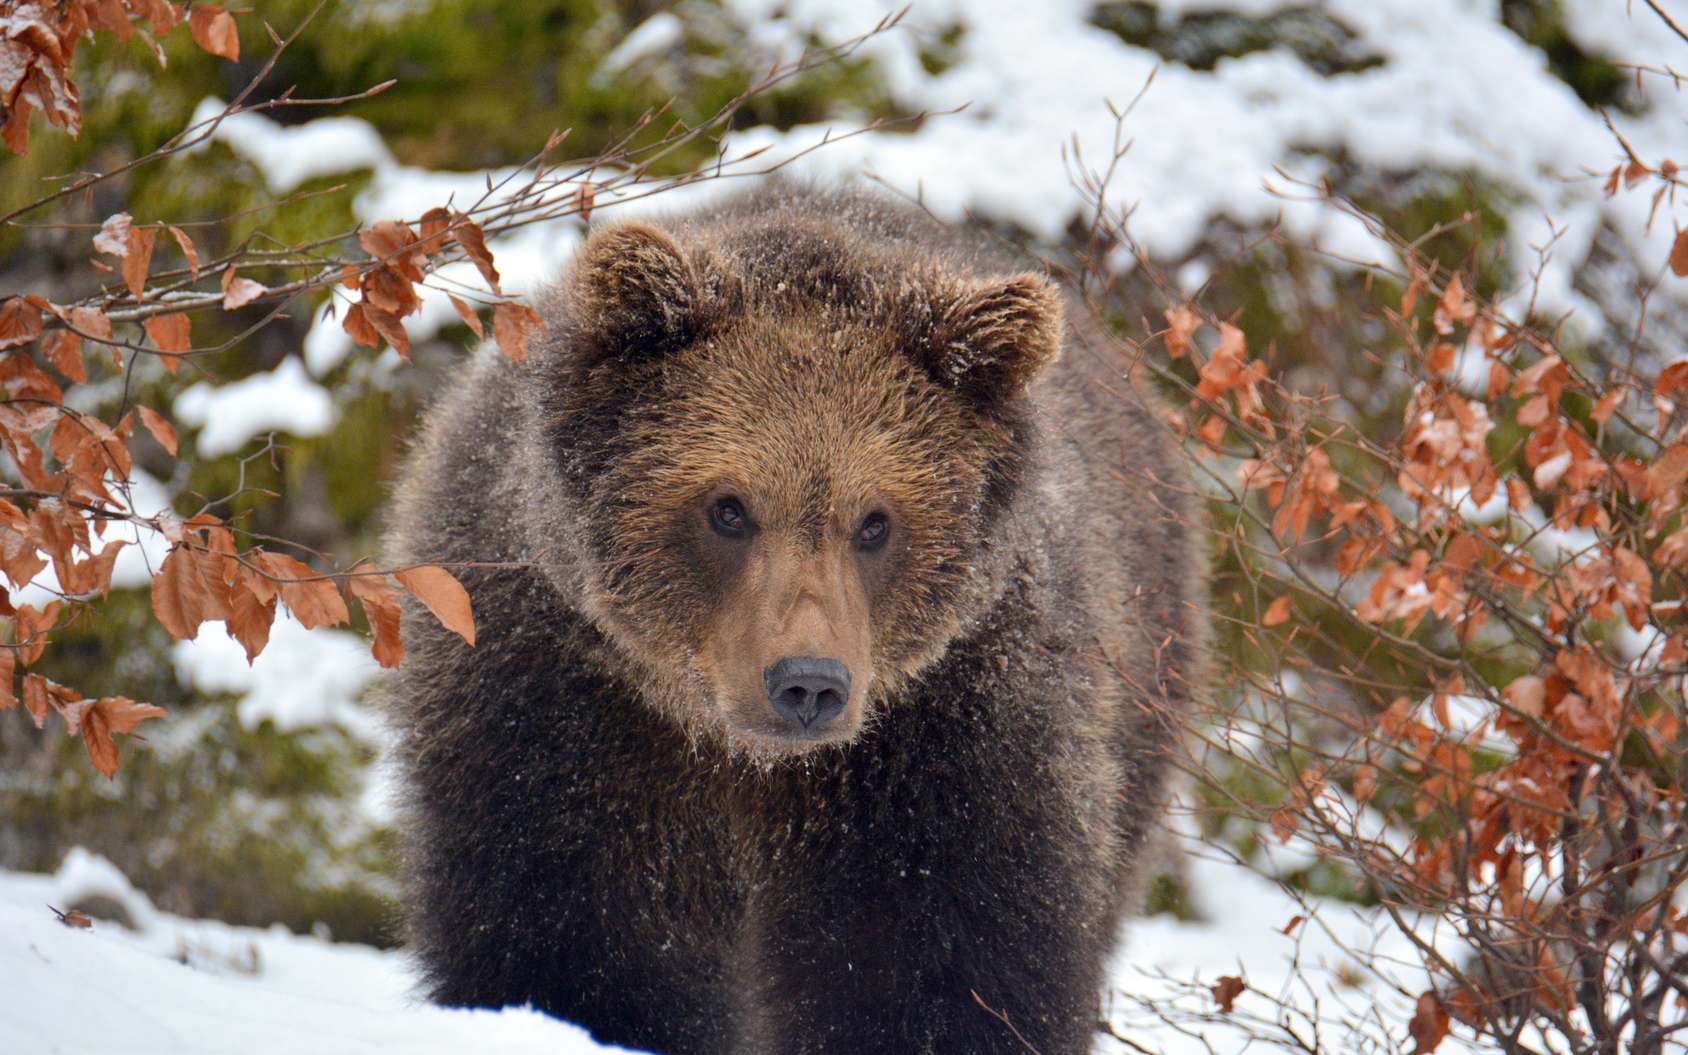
(162, 985)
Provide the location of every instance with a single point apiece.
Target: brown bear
(831, 624)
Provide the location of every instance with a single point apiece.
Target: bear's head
(783, 456)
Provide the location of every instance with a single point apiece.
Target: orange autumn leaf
(1429, 1024)
(108, 715)
(512, 325)
(444, 596)
(309, 595)
(214, 30)
(1277, 613)
(20, 322)
(159, 427)
(186, 592)
(467, 314)
(170, 332)
(1226, 991)
(381, 606)
(189, 250)
(1181, 325)
(137, 260)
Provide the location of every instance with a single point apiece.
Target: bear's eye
(875, 529)
(727, 517)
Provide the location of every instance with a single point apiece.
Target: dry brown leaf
(1608, 405)
(30, 627)
(1182, 323)
(214, 30)
(239, 292)
(358, 325)
(1679, 254)
(469, 236)
(444, 596)
(467, 314)
(189, 250)
(1454, 308)
(251, 614)
(160, 427)
(171, 332)
(186, 592)
(512, 326)
(75, 918)
(1277, 613)
(1226, 991)
(381, 605)
(63, 349)
(113, 237)
(8, 679)
(308, 594)
(137, 262)
(1429, 1024)
(20, 322)
(108, 715)
(91, 322)
(388, 326)
(35, 699)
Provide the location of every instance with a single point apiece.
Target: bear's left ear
(635, 296)
(988, 341)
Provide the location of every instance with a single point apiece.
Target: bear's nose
(808, 690)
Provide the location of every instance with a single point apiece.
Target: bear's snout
(808, 691)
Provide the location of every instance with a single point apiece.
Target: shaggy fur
(597, 823)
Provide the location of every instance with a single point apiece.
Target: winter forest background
(1408, 270)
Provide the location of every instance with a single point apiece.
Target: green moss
(1168, 894)
(941, 51)
(1596, 80)
(1201, 39)
(208, 818)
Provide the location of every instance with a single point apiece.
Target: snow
(1232, 142)
(182, 986)
(1209, 144)
(658, 33)
(302, 678)
(284, 400)
(290, 155)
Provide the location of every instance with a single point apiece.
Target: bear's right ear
(635, 296)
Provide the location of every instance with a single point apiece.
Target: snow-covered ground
(169, 986)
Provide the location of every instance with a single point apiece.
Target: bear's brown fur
(608, 819)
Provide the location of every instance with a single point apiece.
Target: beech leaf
(185, 592)
(381, 605)
(444, 596)
(161, 429)
(108, 715)
(63, 349)
(467, 314)
(214, 30)
(1429, 1024)
(512, 326)
(309, 595)
(189, 250)
(113, 239)
(137, 262)
(20, 322)
(1226, 991)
